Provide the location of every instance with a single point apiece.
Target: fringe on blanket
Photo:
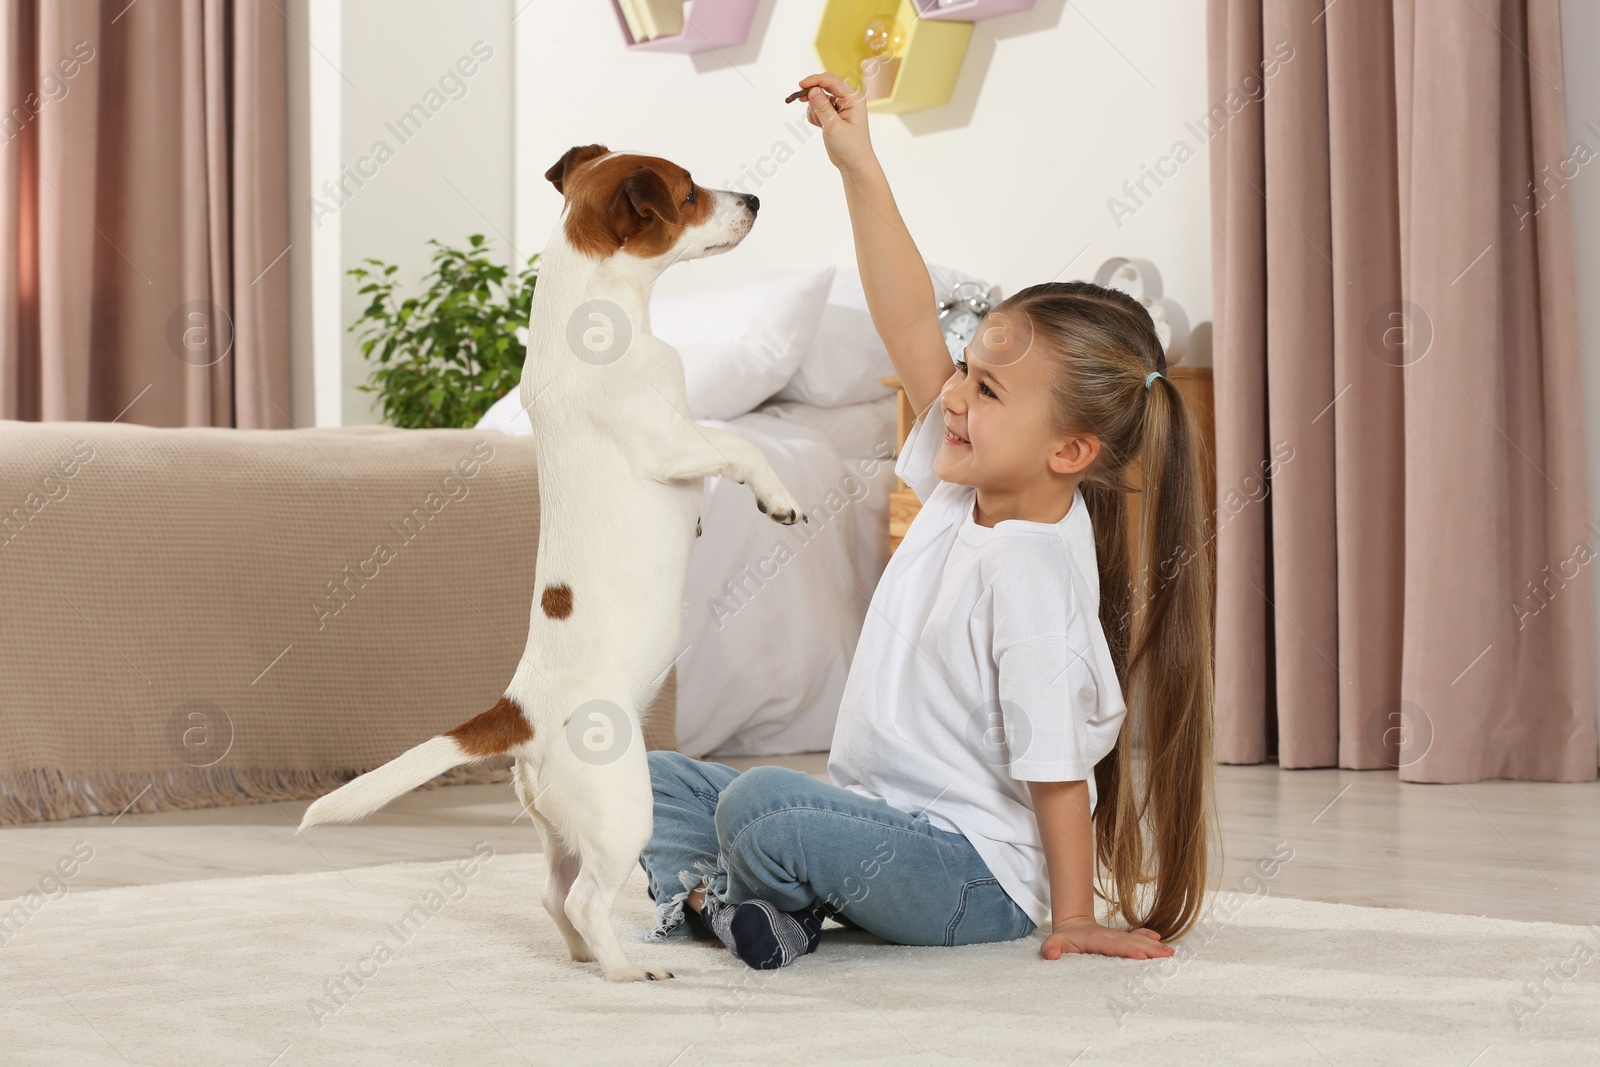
(46, 795)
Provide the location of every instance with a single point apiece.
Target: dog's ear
(574, 156)
(642, 198)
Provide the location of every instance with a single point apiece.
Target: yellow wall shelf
(930, 58)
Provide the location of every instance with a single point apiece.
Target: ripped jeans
(782, 836)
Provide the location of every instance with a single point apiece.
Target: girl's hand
(842, 114)
(1086, 935)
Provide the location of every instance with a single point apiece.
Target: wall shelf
(930, 59)
(707, 24)
(970, 10)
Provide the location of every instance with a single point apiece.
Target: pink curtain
(1396, 358)
(144, 212)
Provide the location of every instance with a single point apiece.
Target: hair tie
(1152, 376)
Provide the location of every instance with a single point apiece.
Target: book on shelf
(649, 19)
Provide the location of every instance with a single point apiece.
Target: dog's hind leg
(563, 864)
(565, 867)
(589, 906)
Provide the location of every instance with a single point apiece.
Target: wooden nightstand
(1193, 382)
(903, 503)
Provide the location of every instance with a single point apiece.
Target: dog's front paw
(788, 514)
(637, 974)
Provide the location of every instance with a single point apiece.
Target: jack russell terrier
(622, 467)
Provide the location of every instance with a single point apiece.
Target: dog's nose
(752, 202)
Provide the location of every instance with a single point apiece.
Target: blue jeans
(782, 836)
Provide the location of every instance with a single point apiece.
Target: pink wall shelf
(971, 10)
(707, 24)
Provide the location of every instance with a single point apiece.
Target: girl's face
(997, 412)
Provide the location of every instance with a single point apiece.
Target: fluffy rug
(457, 963)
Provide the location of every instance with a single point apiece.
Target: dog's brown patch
(571, 160)
(639, 204)
(497, 730)
(557, 601)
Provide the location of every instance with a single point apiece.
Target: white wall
(1009, 181)
(1055, 109)
(366, 184)
(1580, 28)
(298, 57)
(447, 179)
(995, 183)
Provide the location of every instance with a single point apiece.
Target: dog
(622, 467)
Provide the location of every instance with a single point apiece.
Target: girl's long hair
(1156, 613)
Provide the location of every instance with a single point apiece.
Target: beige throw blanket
(200, 617)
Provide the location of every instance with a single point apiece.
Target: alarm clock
(1140, 279)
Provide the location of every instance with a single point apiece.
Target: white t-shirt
(981, 666)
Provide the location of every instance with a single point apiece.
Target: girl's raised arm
(893, 275)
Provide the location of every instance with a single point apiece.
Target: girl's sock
(697, 925)
(761, 935)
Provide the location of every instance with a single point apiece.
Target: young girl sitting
(979, 767)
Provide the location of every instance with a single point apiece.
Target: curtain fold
(1396, 345)
(143, 212)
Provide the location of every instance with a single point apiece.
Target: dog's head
(646, 207)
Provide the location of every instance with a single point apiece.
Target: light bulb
(884, 37)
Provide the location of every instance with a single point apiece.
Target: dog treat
(796, 95)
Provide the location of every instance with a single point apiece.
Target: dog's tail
(496, 731)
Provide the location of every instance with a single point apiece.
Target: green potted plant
(442, 358)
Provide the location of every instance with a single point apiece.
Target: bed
(790, 361)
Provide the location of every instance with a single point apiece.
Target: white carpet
(232, 970)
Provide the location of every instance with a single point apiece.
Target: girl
(980, 775)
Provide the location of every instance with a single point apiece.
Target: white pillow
(506, 415)
(854, 430)
(848, 358)
(739, 343)
(742, 342)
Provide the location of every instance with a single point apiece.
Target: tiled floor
(1514, 850)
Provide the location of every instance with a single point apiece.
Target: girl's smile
(999, 432)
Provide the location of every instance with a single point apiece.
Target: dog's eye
(690, 198)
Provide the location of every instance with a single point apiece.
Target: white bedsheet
(772, 613)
